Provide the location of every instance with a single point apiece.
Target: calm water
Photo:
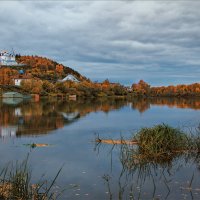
(98, 172)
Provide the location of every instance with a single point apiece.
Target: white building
(69, 77)
(7, 58)
(17, 81)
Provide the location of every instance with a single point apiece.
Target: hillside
(46, 69)
(39, 75)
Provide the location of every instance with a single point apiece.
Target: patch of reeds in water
(15, 184)
(161, 141)
(160, 144)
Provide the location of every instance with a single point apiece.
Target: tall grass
(158, 144)
(15, 184)
(161, 141)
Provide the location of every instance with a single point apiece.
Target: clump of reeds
(161, 141)
(15, 184)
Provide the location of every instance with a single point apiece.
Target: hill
(46, 69)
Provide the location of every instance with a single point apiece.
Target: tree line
(44, 75)
(144, 89)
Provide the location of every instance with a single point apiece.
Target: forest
(144, 89)
(41, 76)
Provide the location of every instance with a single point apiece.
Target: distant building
(7, 58)
(18, 80)
(69, 77)
(21, 77)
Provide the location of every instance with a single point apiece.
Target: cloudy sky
(124, 41)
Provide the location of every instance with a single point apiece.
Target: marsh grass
(158, 144)
(160, 151)
(15, 184)
(161, 141)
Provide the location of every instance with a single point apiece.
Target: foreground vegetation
(150, 166)
(15, 184)
(160, 143)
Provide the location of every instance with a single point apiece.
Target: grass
(161, 141)
(159, 152)
(15, 184)
(158, 144)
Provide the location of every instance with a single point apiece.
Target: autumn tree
(32, 86)
(141, 88)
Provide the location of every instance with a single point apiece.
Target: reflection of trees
(47, 115)
(142, 104)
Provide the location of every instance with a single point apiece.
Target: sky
(124, 41)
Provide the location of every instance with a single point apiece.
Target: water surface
(98, 172)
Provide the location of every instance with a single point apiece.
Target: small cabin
(18, 81)
(21, 77)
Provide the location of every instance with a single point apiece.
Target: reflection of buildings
(9, 131)
(43, 117)
(12, 101)
(70, 116)
(32, 119)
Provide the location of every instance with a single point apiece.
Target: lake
(91, 171)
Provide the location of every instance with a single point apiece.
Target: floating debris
(33, 145)
(110, 141)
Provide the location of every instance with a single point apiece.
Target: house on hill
(69, 77)
(21, 77)
(18, 79)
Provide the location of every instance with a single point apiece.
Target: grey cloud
(105, 39)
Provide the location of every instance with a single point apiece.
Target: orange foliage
(143, 88)
(179, 90)
(6, 75)
(47, 69)
(59, 68)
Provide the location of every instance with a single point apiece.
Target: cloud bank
(124, 41)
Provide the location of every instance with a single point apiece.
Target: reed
(161, 141)
(15, 184)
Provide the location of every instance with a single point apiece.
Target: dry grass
(15, 184)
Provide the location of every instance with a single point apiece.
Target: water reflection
(34, 118)
(143, 104)
(30, 118)
(143, 178)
